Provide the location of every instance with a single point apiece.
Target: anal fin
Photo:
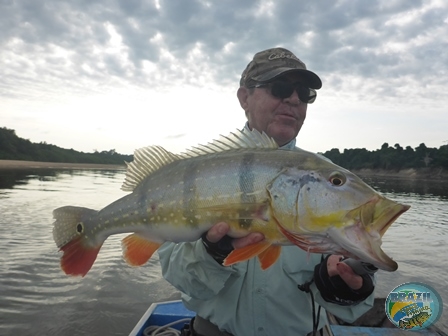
(138, 250)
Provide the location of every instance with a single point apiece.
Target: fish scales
(291, 196)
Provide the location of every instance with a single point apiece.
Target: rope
(164, 330)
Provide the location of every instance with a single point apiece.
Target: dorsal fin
(146, 161)
(149, 159)
(244, 139)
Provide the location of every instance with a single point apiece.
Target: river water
(37, 298)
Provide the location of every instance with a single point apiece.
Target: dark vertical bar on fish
(246, 182)
(189, 193)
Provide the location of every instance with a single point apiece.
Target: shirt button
(260, 291)
(260, 329)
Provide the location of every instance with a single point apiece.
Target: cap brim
(313, 80)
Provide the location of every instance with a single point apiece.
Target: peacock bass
(291, 196)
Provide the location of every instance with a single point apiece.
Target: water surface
(37, 298)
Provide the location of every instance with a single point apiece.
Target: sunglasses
(284, 90)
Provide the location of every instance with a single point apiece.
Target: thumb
(353, 280)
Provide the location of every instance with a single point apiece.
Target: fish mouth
(363, 239)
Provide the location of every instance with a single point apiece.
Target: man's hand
(338, 283)
(218, 231)
(336, 267)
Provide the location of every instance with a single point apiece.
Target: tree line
(394, 158)
(13, 147)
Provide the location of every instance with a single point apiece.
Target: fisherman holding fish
(242, 299)
(225, 216)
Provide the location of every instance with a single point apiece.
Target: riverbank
(19, 164)
(420, 173)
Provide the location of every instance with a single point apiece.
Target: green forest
(387, 157)
(13, 147)
(391, 158)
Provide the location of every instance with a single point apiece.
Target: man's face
(279, 118)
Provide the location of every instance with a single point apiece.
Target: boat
(169, 317)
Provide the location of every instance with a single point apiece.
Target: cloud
(390, 54)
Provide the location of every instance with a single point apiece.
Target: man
(275, 90)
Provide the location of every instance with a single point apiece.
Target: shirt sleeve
(189, 268)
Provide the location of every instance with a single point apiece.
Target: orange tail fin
(137, 250)
(78, 259)
(245, 253)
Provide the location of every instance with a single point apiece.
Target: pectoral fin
(138, 250)
(266, 252)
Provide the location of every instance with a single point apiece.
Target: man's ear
(243, 94)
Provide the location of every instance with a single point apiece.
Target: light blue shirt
(243, 299)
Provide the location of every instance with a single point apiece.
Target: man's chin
(283, 133)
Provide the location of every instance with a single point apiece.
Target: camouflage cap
(271, 63)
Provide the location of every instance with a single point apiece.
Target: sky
(110, 74)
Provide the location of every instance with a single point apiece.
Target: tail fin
(69, 233)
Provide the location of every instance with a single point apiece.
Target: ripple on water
(37, 298)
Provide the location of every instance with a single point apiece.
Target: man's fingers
(217, 231)
(251, 238)
(353, 280)
(336, 267)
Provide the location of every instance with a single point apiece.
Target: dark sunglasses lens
(282, 90)
(303, 93)
(312, 96)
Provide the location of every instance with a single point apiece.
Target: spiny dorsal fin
(146, 161)
(149, 159)
(244, 139)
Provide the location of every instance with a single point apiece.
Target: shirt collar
(289, 145)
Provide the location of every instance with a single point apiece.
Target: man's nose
(293, 98)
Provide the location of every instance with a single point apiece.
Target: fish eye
(80, 227)
(337, 179)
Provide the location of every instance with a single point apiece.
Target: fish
(416, 320)
(292, 196)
